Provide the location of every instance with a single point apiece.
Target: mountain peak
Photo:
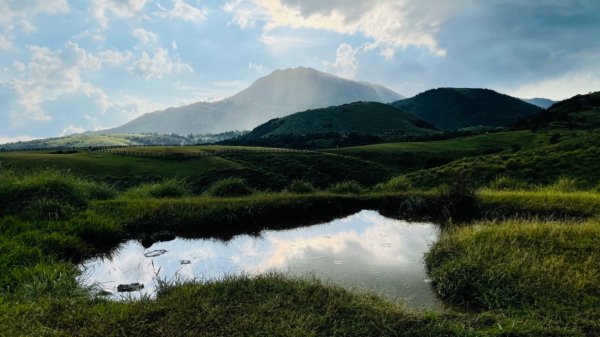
(278, 94)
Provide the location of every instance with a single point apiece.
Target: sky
(67, 66)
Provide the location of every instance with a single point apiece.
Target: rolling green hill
(359, 117)
(412, 156)
(263, 170)
(456, 108)
(574, 155)
(581, 111)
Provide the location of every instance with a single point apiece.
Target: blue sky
(73, 65)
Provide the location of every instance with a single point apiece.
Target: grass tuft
(397, 184)
(300, 187)
(171, 188)
(346, 187)
(229, 187)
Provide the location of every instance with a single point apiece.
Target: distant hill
(543, 103)
(359, 117)
(279, 94)
(91, 139)
(344, 125)
(581, 111)
(457, 108)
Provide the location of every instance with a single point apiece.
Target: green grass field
(575, 155)
(411, 156)
(526, 263)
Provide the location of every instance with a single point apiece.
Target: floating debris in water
(155, 253)
(125, 288)
(185, 261)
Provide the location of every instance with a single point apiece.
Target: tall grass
(503, 182)
(300, 187)
(171, 188)
(48, 194)
(519, 264)
(346, 187)
(229, 187)
(397, 184)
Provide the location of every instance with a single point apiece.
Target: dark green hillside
(581, 111)
(262, 170)
(359, 117)
(413, 156)
(457, 108)
(563, 154)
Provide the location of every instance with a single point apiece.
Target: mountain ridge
(275, 95)
(452, 109)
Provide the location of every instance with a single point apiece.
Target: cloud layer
(67, 66)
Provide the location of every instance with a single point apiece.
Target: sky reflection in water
(362, 252)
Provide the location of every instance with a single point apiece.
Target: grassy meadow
(518, 255)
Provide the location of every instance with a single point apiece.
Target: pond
(362, 252)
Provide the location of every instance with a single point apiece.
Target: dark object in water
(125, 288)
(155, 253)
(185, 261)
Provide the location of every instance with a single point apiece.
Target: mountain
(456, 108)
(360, 117)
(344, 125)
(581, 111)
(279, 94)
(543, 103)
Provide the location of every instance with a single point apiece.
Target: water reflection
(364, 252)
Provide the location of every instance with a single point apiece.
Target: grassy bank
(511, 270)
(265, 305)
(551, 269)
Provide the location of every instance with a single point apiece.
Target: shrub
(229, 187)
(300, 186)
(171, 188)
(346, 187)
(397, 184)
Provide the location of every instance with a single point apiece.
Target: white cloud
(6, 140)
(345, 64)
(51, 74)
(19, 15)
(114, 57)
(563, 87)
(158, 65)
(119, 8)
(94, 34)
(5, 42)
(182, 10)
(256, 67)
(390, 23)
(71, 129)
(145, 37)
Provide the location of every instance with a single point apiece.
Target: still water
(362, 252)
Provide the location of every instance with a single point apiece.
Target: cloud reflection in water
(364, 252)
